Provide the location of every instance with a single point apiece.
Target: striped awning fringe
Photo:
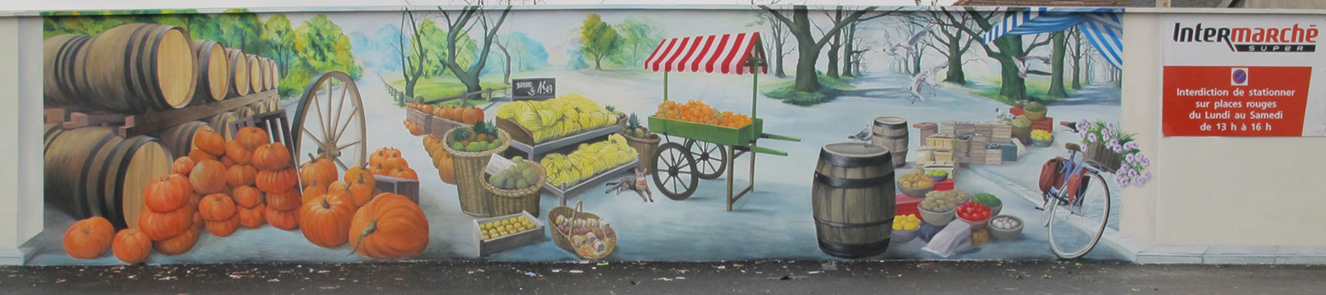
(727, 53)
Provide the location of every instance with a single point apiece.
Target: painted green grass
(444, 87)
(783, 90)
(1037, 89)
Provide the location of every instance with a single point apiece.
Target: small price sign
(533, 89)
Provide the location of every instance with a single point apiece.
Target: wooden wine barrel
(221, 124)
(213, 72)
(179, 139)
(853, 199)
(275, 73)
(239, 73)
(136, 67)
(58, 57)
(255, 74)
(93, 172)
(51, 132)
(891, 133)
(245, 112)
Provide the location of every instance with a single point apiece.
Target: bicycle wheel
(1076, 227)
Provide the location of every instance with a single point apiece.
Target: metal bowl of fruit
(1042, 138)
(939, 208)
(915, 185)
(1005, 227)
(937, 175)
(905, 228)
(975, 214)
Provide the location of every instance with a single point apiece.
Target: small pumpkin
(217, 207)
(289, 200)
(210, 142)
(167, 193)
(405, 173)
(223, 228)
(325, 220)
(277, 181)
(339, 188)
(178, 244)
(282, 219)
(394, 163)
(252, 137)
(198, 155)
(446, 169)
(238, 153)
(380, 156)
(471, 115)
(226, 161)
(208, 176)
(131, 246)
(389, 227)
(241, 175)
(89, 238)
(252, 217)
(182, 166)
(272, 156)
(313, 190)
(161, 226)
(247, 197)
(361, 190)
(321, 169)
(355, 172)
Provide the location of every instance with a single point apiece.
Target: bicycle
(1080, 189)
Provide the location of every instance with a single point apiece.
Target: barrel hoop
(840, 182)
(855, 225)
(153, 78)
(891, 126)
(105, 202)
(885, 136)
(854, 250)
(82, 180)
(847, 162)
(131, 81)
(61, 63)
(50, 137)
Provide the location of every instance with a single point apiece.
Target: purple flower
(1131, 146)
(1083, 125)
(1091, 137)
(1122, 170)
(1118, 149)
(1147, 175)
(1144, 162)
(1140, 181)
(1131, 158)
(1105, 136)
(1122, 180)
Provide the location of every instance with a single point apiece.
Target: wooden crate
(961, 158)
(994, 157)
(525, 238)
(964, 129)
(960, 145)
(1001, 133)
(940, 141)
(948, 127)
(1046, 124)
(925, 154)
(946, 166)
(943, 155)
(405, 187)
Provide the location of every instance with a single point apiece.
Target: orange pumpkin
(277, 181)
(89, 238)
(394, 163)
(226, 161)
(325, 220)
(217, 207)
(380, 156)
(389, 227)
(247, 197)
(238, 153)
(223, 228)
(198, 155)
(361, 190)
(167, 193)
(131, 246)
(471, 115)
(252, 217)
(405, 173)
(314, 190)
(440, 112)
(162, 226)
(339, 188)
(289, 200)
(209, 176)
(322, 169)
(178, 244)
(446, 169)
(282, 219)
(182, 166)
(252, 137)
(241, 175)
(355, 172)
(193, 206)
(210, 142)
(272, 156)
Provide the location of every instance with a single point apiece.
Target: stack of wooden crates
(969, 143)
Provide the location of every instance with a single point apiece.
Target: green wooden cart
(706, 151)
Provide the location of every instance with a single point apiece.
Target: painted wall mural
(519, 134)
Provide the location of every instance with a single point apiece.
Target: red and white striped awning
(727, 53)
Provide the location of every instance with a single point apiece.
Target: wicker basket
(1104, 156)
(469, 174)
(563, 239)
(506, 202)
(644, 148)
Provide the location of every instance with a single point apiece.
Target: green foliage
(786, 91)
(435, 43)
(324, 48)
(598, 39)
(441, 87)
(1020, 122)
(638, 39)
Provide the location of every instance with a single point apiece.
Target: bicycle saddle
(1074, 147)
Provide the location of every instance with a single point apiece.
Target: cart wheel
(710, 158)
(329, 122)
(675, 172)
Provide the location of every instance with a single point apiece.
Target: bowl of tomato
(974, 213)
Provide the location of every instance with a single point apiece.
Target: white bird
(910, 46)
(930, 77)
(1024, 68)
(864, 136)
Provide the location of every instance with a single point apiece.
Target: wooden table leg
(730, 152)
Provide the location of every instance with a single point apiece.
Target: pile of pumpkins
(248, 182)
(446, 169)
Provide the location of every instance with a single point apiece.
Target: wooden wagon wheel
(710, 158)
(675, 173)
(329, 122)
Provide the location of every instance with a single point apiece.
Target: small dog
(638, 183)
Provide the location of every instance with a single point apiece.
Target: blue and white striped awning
(1103, 27)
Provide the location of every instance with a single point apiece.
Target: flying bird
(930, 77)
(909, 47)
(1024, 68)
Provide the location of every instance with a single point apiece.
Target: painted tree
(1008, 50)
(1075, 52)
(276, 32)
(598, 39)
(774, 37)
(471, 18)
(528, 53)
(638, 38)
(808, 45)
(951, 42)
(240, 29)
(323, 47)
(410, 46)
(1059, 43)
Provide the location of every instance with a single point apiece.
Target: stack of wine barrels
(179, 139)
(129, 69)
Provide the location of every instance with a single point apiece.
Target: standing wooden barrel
(136, 67)
(93, 172)
(255, 73)
(57, 66)
(891, 133)
(213, 72)
(179, 139)
(239, 73)
(853, 199)
(221, 124)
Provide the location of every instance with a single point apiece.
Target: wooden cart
(708, 150)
